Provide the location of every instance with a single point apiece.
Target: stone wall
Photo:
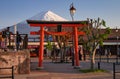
(19, 59)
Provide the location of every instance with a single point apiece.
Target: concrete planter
(19, 59)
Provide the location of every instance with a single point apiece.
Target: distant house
(112, 42)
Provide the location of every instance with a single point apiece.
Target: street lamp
(72, 11)
(117, 45)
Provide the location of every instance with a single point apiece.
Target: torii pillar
(76, 47)
(41, 24)
(41, 48)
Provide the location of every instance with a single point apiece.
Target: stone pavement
(65, 71)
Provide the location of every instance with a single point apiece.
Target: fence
(12, 73)
(115, 68)
(9, 41)
(115, 71)
(108, 59)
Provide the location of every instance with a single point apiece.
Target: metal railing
(12, 73)
(10, 41)
(115, 68)
(115, 71)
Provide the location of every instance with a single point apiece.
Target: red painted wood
(56, 33)
(76, 47)
(41, 47)
(73, 25)
(55, 25)
(81, 33)
(34, 33)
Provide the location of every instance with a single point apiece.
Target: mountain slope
(24, 28)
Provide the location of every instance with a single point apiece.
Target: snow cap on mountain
(47, 16)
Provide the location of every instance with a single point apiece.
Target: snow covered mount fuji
(24, 28)
(47, 16)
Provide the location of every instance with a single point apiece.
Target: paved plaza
(66, 71)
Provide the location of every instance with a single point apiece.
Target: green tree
(94, 37)
(49, 45)
(62, 41)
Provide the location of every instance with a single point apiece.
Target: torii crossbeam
(42, 24)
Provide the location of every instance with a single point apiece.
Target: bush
(92, 70)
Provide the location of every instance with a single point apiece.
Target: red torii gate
(42, 24)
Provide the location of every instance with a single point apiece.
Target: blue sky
(15, 11)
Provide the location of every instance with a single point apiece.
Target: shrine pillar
(76, 47)
(41, 47)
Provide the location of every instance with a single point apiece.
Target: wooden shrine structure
(41, 32)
